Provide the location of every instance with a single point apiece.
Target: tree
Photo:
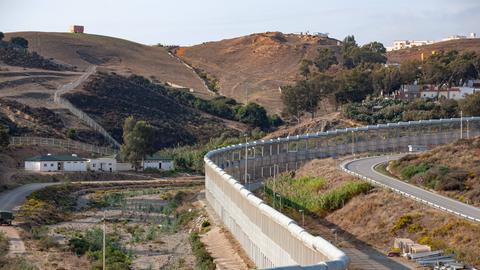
(138, 138)
(354, 84)
(349, 51)
(20, 42)
(291, 101)
(385, 80)
(471, 105)
(409, 71)
(1, 36)
(71, 133)
(325, 58)
(4, 137)
(302, 97)
(305, 67)
(254, 115)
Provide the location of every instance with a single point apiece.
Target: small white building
(56, 163)
(158, 162)
(103, 164)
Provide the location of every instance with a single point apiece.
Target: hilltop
(113, 54)
(460, 45)
(259, 63)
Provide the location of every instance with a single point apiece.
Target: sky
(189, 22)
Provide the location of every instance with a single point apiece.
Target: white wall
(32, 165)
(49, 166)
(75, 166)
(124, 166)
(156, 164)
(103, 164)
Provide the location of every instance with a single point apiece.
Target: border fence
(68, 144)
(57, 98)
(273, 240)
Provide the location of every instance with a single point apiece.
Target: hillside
(451, 169)
(113, 54)
(111, 98)
(460, 45)
(376, 218)
(257, 63)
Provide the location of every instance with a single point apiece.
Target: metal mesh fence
(67, 144)
(272, 239)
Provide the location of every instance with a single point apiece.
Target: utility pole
(103, 247)
(246, 161)
(461, 124)
(353, 143)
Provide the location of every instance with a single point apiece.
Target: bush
(91, 244)
(203, 258)
(402, 222)
(336, 198)
(411, 170)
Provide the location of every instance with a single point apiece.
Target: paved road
(365, 167)
(13, 198)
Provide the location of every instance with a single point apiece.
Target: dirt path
(227, 254)
(16, 245)
(218, 245)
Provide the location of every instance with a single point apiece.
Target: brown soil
(415, 53)
(113, 54)
(326, 122)
(258, 63)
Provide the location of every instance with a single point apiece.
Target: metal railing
(344, 165)
(272, 239)
(67, 144)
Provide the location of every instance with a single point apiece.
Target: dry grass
(119, 55)
(415, 53)
(259, 63)
(456, 163)
(371, 219)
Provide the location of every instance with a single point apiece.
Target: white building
(103, 164)
(56, 163)
(404, 44)
(158, 162)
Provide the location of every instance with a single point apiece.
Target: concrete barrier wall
(270, 238)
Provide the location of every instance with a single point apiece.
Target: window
(51, 164)
(74, 162)
(109, 164)
(44, 164)
(93, 165)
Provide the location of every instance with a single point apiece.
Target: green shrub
(203, 258)
(412, 170)
(336, 198)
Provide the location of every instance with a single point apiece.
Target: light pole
(303, 217)
(104, 240)
(246, 160)
(280, 199)
(461, 124)
(353, 143)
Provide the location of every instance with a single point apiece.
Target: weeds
(204, 259)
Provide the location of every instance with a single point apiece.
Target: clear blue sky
(187, 22)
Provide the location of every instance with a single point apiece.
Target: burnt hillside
(111, 98)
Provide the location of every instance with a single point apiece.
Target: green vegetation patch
(49, 205)
(90, 243)
(305, 193)
(204, 259)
